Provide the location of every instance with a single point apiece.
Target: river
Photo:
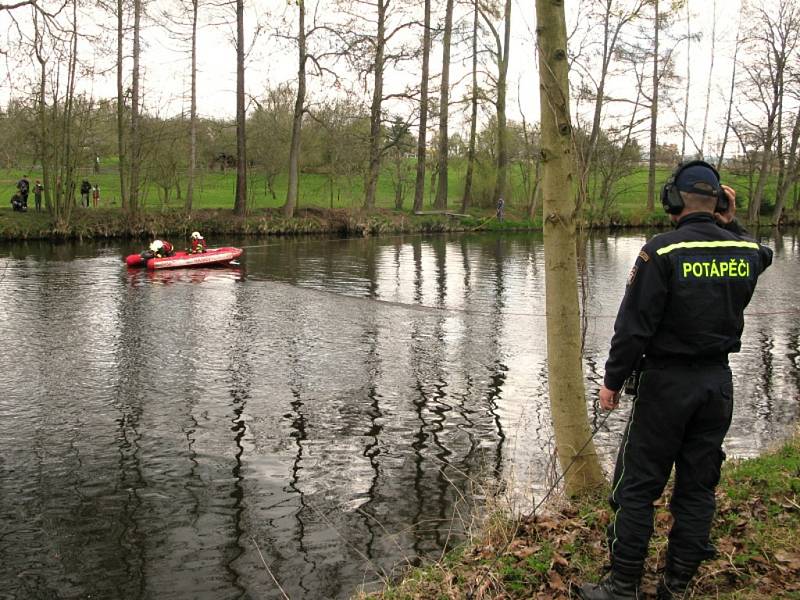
(310, 420)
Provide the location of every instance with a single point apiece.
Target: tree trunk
(688, 80)
(444, 109)
(791, 176)
(710, 74)
(466, 201)
(651, 174)
(754, 208)
(501, 183)
(121, 151)
(193, 115)
(375, 137)
(136, 142)
(45, 141)
(730, 103)
(240, 205)
(68, 159)
(575, 449)
(297, 118)
(422, 138)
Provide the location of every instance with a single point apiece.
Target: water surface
(330, 408)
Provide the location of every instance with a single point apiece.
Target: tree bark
(240, 205)
(193, 115)
(575, 449)
(297, 118)
(710, 74)
(651, 174)
(121, 126)
(444, 109)
(730, 101)
(688, 80)
(136, 142)
(466, 200)
(375, 131)
(501, 183)
(792, 172)
(42, 115)
(422, 138)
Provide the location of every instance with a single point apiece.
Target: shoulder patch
(644, 256)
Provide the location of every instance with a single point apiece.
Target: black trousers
(680, 417)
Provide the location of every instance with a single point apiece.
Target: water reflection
(317, 416)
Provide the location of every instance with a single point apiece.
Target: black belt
(661, 362)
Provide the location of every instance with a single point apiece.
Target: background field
(215, 189)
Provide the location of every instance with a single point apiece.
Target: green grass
(755, 530)
(214, 191)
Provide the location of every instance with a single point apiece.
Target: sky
(272, 61)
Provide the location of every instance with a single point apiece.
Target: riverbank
(103, 223)
(106, 223)
(755, 531)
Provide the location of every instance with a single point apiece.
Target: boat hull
(179, 260)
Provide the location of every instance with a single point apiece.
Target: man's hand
(609, 399)
(729, 214)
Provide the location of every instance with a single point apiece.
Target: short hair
(699, 201)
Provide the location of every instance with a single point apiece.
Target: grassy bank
(756, 532)
(113, 223)
(216, 189)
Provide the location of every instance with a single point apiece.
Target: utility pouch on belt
(631, 387)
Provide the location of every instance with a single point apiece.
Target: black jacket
(686, 297)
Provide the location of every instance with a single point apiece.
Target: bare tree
(121, 121)
(444, 107)
(772, 43)
(370, 42)
(299, 109)
(792, 174)
(193, 112)
(615, 17)
(710, 74)
(651, 173)
(240, 204)
(422, 138)
(466, 200)
(135, 127)
(576, 452)
(688, 79)
(730, 97)
(500, 54)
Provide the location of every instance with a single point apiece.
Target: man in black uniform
(682, 314)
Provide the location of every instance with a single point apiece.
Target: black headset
(671, 197)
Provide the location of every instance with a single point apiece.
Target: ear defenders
(671, 197)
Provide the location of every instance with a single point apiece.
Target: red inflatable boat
(212, 256)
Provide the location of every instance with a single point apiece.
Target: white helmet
(196, 235)
(156, 246)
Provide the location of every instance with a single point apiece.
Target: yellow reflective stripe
(718, 244)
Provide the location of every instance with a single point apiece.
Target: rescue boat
(180, 259)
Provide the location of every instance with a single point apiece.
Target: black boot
(614, 586)
(675, 581)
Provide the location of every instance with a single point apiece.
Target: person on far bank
(38, 188)
(198, 243)
(95, 195)
(86, 189)
(24, 188)
(681, 316)
(501, 208)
